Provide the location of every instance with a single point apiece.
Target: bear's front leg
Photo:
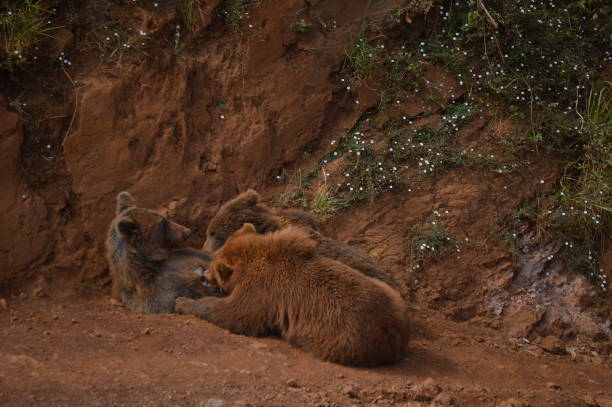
(184, 305)
(201, 308)
(227, 313)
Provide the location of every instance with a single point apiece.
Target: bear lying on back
(147, 269)
(276, 283)
(245, 208)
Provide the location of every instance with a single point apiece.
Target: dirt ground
(185, 122)
(89, 352)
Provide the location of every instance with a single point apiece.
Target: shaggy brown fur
(148, 270)
(246, 208)
(276, 283)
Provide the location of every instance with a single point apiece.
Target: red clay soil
(185, 128)
(89, 352)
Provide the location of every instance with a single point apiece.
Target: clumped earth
(464, 146)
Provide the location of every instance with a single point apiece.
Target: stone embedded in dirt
(552, 344)
(512, 403)
(553, 386)
(443, 399)
(590, 401)
(115, 302)
(428, 390)
(3, 305)
(214, 403)
(292, 383)
(146, 331)
(521, 320)
(351, 391)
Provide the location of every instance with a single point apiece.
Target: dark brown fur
(276, 283)
(148, 269)
(245, 208)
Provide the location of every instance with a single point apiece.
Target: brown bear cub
(148, 269)
(245, 208)
(278, 284)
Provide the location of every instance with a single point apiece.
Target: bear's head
(246, 251)
(220, 273)
(245, 208)
(144, 229)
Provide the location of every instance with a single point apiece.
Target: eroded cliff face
(185, 123)
(25, 241)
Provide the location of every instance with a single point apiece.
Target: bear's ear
(124, 201)
(224, 271)
(250, 197)
(246, 229)
(127, 227)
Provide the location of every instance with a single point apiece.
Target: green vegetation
(24, 24)
(301, 25)
(542, 62)
(582, 211)
(529, 54)
(404, 69)
(189, 11)
(431, 241)
(403, 158)
(363, 57)
(233, 11)
(324, 202)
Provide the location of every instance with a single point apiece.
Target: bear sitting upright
(245, 208)
(277, 283)
(147, 268)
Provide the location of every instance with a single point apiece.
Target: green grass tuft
(24, 24)
(434, 240)
(233, 11)
(324, 202)
(189, 11)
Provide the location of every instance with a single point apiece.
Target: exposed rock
(215, 403)
(512, 403)
(521, 320)
(552, 344)
(351, 391)
(23, 245)
(428, 390)
(553, 386)
(293, 383)
(443, 399)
